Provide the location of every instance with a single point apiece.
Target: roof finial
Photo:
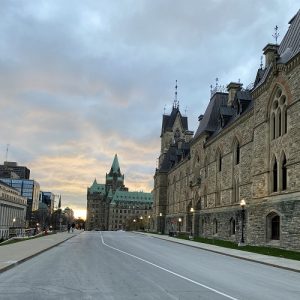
(185, 111)
(276, 34)
(165, 109)
(176, 104)
(261, 62)
(217, 82)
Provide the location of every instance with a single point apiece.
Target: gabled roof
(97, 188)
(168, 120)
(210, 120)
(290, 44)
(244, 95)
(288, 48)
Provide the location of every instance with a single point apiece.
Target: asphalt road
(121, 265)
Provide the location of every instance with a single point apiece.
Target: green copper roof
(97, 188)
(115, 166)
(125, 196)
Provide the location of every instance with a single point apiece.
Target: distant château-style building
(247, 147)
(111, 206)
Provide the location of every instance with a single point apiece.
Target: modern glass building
(48, 198)
(29, 189)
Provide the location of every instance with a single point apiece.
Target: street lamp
(149, 223)
(160, 222)
(179, 223)
(134, 221)
(191, 222)
(141, 223)
(243, 204)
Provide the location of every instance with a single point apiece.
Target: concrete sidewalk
(13, 254)
(278, 262)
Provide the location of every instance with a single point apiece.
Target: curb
(226, 254)
(31, 256)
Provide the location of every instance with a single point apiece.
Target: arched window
(284, 120)
(278, 115)
(215, 226)
(273, 226)
(275, 231)
(275, 180)
(237, 154)
(273, 126)
(235, 190)
(283, 174)
(279, 122)
(232, 226)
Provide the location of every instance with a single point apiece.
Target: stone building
(12, 211)
(247, 146)
(130, 210)
(10, 169)
(111, 206)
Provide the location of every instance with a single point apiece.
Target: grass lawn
(13, 241)
(256, 249)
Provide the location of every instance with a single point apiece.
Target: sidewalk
(13, 254)
(278, 262)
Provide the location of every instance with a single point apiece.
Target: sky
(83, 80)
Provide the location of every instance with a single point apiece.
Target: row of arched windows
(272, 226)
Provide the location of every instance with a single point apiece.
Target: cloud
(81, 81)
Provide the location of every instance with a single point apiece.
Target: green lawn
(13, 241)
(256, 249)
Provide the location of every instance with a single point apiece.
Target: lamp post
(179, 224)
(134, 221)
(243, 204)
(149, 223)
(160, 223)
(14, 232)
(191, 222)
(141, 223)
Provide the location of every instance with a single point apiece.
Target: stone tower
(175, 138)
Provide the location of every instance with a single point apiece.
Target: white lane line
(171, 272)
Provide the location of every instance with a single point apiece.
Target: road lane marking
(169, 271)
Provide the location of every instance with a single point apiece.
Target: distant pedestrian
(73, 226)
(69, 227)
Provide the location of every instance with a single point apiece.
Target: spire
(176, 102)
(59, 202)
(115, 165)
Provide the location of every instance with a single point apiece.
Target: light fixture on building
(192, 210)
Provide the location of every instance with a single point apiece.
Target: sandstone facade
(247, 147)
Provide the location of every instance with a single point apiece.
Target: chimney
(232, 88)
(271, 53)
